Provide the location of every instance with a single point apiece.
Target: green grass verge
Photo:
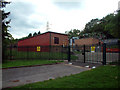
(18, 63)
(101, 77)
(114, 63)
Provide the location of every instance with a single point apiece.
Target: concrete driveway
(24, 75)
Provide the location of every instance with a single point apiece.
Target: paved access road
(24, 75)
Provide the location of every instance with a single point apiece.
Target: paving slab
(20, 76)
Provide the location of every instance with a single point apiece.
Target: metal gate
(102, 54)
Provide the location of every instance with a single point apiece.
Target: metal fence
(104, 53)
(37, 52)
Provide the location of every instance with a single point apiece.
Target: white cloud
(29, 16)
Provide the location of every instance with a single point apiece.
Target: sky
(29, 16)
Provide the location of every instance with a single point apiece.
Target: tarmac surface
(24, 75)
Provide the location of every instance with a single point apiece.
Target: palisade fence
(37, 53)
(104, 53)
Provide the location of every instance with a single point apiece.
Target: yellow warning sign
(38, 48)
(92, 48)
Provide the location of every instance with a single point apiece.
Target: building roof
(75, 37)
(110, 41)
(55, 33)
(45, 33)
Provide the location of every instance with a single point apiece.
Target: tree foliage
(6, 36)
(113, 26)
(30, 35)
(108, 25)
(105, 28)
(39, 33)
(34, 34)
(73, 33)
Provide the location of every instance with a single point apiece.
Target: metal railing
(37, 52)
(104, 53)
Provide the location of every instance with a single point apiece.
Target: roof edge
(42, 34)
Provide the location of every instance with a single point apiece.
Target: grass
(101, 77)
(78, 52)
(18, 63)
(114, 63)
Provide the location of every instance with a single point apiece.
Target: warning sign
(92, 48)
(38, 48)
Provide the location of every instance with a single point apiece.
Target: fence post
(69, 53)
(118, 63)
(119, 52)
(27, 52)
(50, 51)
(104, 54)
(62, 52)
(10, 52)
(84, 53)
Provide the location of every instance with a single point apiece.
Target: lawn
(17, 63)
(101, 77)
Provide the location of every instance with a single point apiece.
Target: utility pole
(47, 26)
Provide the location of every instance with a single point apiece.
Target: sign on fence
(38, 48)
(92, 48)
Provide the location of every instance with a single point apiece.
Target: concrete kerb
(75, 64)
(33, 65)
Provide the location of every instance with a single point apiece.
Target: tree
(6, 36)
(35, 34)
(30, 35)
(39, 33)
(90, 25)
(113, 26)
(108, 26)
(73, 33)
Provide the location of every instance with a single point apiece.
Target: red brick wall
(86, 41)
(42, 39)
(63, 39)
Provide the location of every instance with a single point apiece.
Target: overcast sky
(29, 16)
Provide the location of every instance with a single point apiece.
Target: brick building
(87, 41)
(43, 41)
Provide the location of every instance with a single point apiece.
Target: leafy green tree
(39, 33)
(73, 33)
(90, 25)
(35, 34)
(30, 35)
(6, 36)
(113, 26)
(108, 26)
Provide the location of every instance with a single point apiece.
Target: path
(24, 75)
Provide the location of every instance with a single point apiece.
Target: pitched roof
(45, 33)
